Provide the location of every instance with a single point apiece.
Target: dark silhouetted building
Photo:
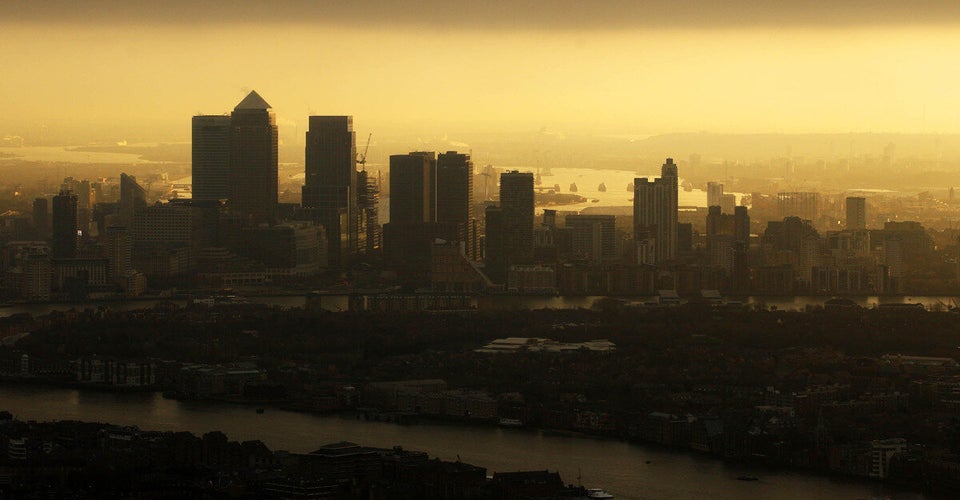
(728, 241)
(454, 187)
(65, 240)
(413, 180)
(133, 198)
(253, 161)
(211, 157)
(330, 187)
(516, 201)
(593, 237)
(455, 198)
(509, 227)
(409, 236)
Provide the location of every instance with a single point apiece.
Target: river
(626, 470)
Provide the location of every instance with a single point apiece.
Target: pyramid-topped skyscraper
(252, 101)
(253, 161)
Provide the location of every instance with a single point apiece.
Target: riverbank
(627, 471)
(405, 421)
(821, 391)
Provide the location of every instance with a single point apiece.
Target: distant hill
(811, 146)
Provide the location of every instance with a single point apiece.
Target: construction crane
(363, 158)
(486, 177)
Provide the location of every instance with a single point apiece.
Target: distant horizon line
(442, 136)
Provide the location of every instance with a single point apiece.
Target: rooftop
(252, 101)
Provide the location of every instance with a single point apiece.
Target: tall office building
(65, 240)
(331, 152)
(330, 185)
(413, 193)
(454, 187)
(508, 239)
(409, 236)
(211, 157)
(856, 213)
(455, 198)
(516, 202)
(655, 216)
(253, 161)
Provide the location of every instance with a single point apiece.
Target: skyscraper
(253, 161)
(516, 202)
(64, 229)
(331, 152)
(455, 197)
(454, 187)
(330, 185)
(856, 213)
(655, 215)
(211, 157)
(413, 193)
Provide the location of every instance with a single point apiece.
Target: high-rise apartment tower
(655, 215)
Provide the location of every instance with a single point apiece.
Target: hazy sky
(139, 70)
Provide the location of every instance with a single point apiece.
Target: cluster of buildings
(71, 459)
(232, 231)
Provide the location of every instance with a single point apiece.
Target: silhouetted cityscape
(226, 228)
(697, 310)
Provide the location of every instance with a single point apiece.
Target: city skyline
(609, 68)
(498, 270)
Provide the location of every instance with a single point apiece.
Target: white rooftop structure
(535, 344)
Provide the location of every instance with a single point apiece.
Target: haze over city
(107, 71)
(489, 250)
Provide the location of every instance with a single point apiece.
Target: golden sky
(141, 71)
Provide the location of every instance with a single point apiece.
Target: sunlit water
(59, 154)
(628, 471)
(616, 182)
